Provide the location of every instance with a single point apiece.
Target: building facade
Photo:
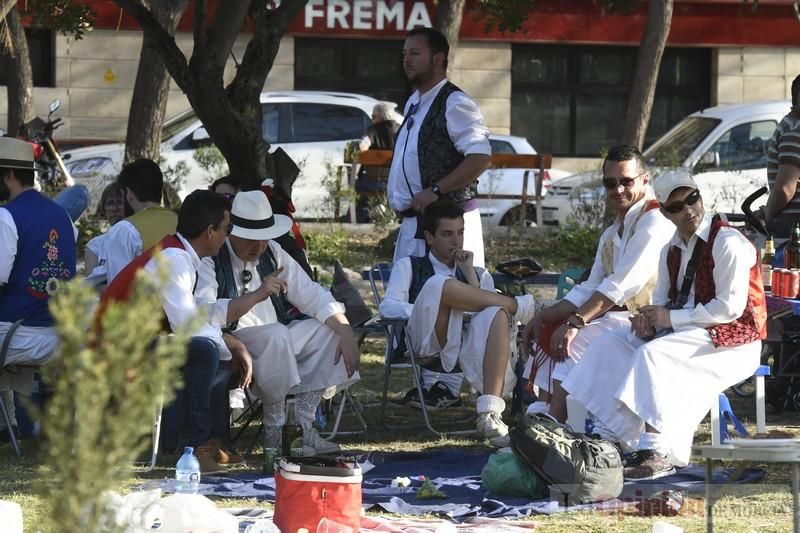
(562, 81)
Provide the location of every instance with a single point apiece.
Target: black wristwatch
(436, 190)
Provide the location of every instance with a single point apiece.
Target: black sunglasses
(411, 111)
(613, 184)
(676, 207)
(247, 276)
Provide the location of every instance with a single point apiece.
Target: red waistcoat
(752, 324)
(123, 284)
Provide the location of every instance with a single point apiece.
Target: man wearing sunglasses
(621, 279)
(654, 381)
(310, 355)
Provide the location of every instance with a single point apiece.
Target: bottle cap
(188, 449)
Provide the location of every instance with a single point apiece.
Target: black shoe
(438, 397)
(411, 394)
(647, 464)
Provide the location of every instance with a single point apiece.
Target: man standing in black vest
(441, 149)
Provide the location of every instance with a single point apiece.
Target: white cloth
(407, 245)
(579, 345)
(466, 342)
(29, 345)
(671, 381)
(99, 274)
(298, 357)
(469, 134)
(8, 243)
(177, 292)
(123, 244)
(636, 256)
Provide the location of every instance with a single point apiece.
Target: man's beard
(5, 194)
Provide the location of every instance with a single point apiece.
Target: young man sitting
(436, 290)
(653, 382)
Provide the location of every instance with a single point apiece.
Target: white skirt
(668, 383)
(466, 340)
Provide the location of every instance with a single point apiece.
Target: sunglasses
(676, 207)
(247, 277)
(613, 184)
(411, 111)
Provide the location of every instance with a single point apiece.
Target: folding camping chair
(395, 332)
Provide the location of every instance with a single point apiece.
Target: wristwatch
(436, 190)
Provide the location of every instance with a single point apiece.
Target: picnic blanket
(457, 474)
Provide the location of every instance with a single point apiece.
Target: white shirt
(636, 256)
(8, 244)
(99, 274)
(395, 302)
(733, 255)
(305, 294)
(123, 244)
(176, 292)
(465, 126)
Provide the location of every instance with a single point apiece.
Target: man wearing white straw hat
(309, 356)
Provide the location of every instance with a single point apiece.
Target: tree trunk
(648, 63)
(448, 21)
(20, 76)
(149, 101)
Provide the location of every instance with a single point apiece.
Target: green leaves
(64, 16)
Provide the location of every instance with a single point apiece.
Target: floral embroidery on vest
(44, 279)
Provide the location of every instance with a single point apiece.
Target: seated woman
(112, 209)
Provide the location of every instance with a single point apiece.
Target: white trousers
(466, 342)
(668, 383)
(407, 245)
(29, 345)
(578, 346)
(295, 358)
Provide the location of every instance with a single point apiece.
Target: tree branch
(228, 20)
(172, 56)
(200, 24)
(5, 7)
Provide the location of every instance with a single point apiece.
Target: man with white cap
(37, 252)
(652, 383)
(308, 356)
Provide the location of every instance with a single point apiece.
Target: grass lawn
(762, 507)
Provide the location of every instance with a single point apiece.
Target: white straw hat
(16, 153)
(252, 217)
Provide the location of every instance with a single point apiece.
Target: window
(41, 48)
(672, 150)
(571, 100)
(744, 146)
(326, 122)
(501, 147)
(371, 67)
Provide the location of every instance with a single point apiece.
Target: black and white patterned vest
(438, 155)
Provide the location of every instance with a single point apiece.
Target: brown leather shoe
(206, 457)
(222, 455)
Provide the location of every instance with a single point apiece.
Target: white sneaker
(316, 445)
(538, 407)
(491, 425)
(526, 308)
(501, 442)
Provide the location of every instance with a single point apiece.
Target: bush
(106, 390)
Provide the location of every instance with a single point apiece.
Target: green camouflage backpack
(578, 469)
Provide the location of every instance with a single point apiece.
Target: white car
(312, 127)
(509, 181)
(724, 147)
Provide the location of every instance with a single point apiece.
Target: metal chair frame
(395, 329)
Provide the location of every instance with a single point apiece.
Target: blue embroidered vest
(226, 284)
(422, 271)
(45, 257)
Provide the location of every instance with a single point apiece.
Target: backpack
(578, 468)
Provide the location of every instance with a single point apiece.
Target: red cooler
(308, 489)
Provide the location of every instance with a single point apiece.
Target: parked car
(312, 127)
(724, 147)
(509, 181)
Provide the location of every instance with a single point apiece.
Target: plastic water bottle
(187, 472)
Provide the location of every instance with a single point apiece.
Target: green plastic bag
(505, 475)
